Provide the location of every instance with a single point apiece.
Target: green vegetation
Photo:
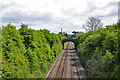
(28, 53)
(100, 51)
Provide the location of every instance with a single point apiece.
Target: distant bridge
(69, 40)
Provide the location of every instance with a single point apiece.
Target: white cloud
(55, 14)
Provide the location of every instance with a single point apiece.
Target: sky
(70, 15)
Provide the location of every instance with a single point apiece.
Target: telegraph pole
(61, 30)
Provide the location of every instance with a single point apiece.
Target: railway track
(67, 65)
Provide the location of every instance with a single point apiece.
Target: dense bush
(100, 51)
(26, 53)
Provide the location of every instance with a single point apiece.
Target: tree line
(28, 53)
(100, 51)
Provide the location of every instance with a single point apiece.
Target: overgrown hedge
(28, 53)
(100, 51)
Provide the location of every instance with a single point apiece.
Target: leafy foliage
(26, 53)
(100, 51)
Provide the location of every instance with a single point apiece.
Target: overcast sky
(70, 15)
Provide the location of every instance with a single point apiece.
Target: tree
(93, 23)
(75, 33)
(27, 52)
(65, 33)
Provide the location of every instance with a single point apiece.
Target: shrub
(99, 51)
(26, 53)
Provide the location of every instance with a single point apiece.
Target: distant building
(60, 33)
(69, 36)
